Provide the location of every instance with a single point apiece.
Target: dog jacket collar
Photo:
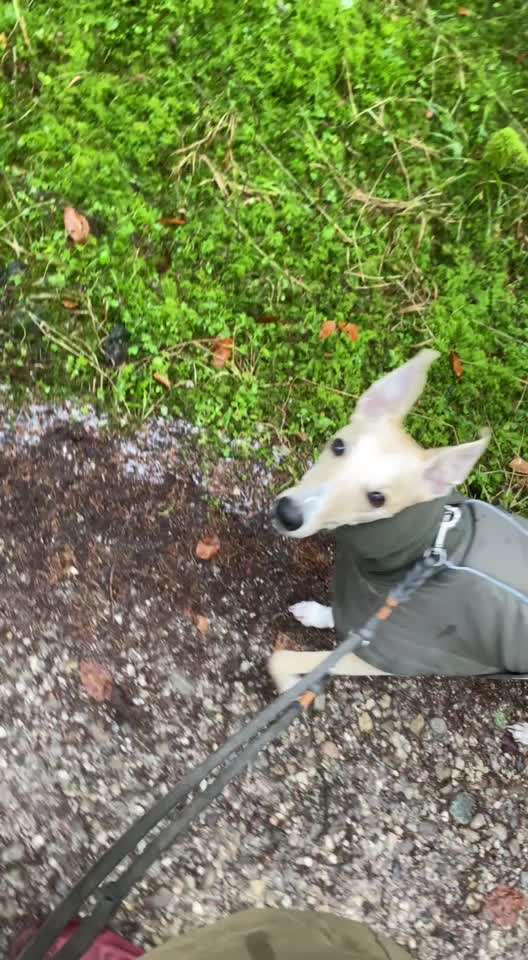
(456, 624)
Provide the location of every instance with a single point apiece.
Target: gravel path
(402, 803)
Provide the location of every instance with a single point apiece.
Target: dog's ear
(394, 395)
(450, 466)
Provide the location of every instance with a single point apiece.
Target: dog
(389, 503)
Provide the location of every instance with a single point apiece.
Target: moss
(506, 151)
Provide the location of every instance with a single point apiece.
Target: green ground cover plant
(255, 173)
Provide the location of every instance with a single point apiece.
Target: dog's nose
(288, 513)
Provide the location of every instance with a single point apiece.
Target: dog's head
(372, 469)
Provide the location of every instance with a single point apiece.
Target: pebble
(438, 726)
(258, 889)
(417, 724)
(365, 723)
(330, 750)
(161, 898)
(13, 853)
(500, 832)
(462, 807)
(478, 822)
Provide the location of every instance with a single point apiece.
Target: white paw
(519, 732)
(313, 614)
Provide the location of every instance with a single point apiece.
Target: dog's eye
(375, 498)
(338, 447)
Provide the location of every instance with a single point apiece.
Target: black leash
(263, 729)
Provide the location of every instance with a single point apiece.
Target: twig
(23, 26)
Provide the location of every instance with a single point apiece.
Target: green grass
(334, 163)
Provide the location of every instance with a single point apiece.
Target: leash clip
(436, 556)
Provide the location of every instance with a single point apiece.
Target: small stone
(258, 889)
(462, 807)
(443, 773)
(385, 702)
(161, 898)
(3, 733)
(417, 724)
(365, 723)
(330, 750)
(523, 879)
(500, 832)
(472, 903)
(478, 822)
(180, 684)
(13, 853)
(438, 726)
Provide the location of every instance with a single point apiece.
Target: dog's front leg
(286, 666)
(313, 614)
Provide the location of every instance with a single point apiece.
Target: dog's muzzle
(288, 514)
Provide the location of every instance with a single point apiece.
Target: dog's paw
(519, 732)
(313, 614)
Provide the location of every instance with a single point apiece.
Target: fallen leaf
(178, 221)
(202, 623)
(96, 680)
(77, 226)
(70, 304)
(464, 12)
(284, 642)
(503, 905)
(518, 465)
(162, 379)
(208, 548)
(456, 365)
(328, 328)
(222, 352)
(351, 330)
(75, 80)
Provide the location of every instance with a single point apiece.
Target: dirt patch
(98, 563)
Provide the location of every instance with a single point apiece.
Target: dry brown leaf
(163, 379)
(222, 352)
(284, 642)
(75, 80)
(456, 365)
(429, 114)
(503, 905)
(329, 327)
(70, 304)
(202, 623)
(77, 226)
(178, 221)
(518, 465)
(464, 12)
(96, 680)
(351, 330)
(208, 548)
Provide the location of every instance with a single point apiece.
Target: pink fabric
(107, 946)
